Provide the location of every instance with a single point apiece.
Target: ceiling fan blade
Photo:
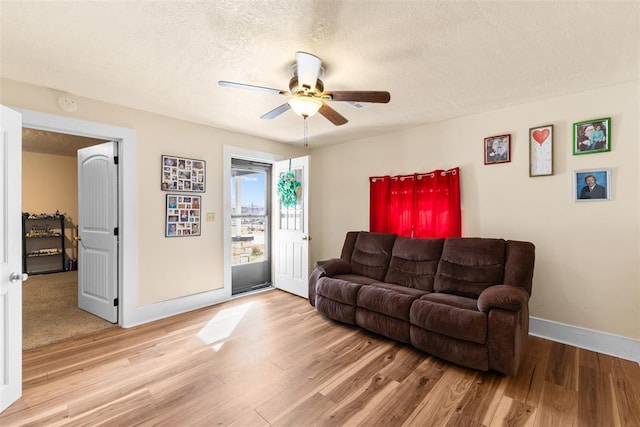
(360, 96)
(308, 69)
(276, 111)
(252, 87)
(332, 115)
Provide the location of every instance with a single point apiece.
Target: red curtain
(400, 208)
(418, 205)
(437, 204)
(378, 202)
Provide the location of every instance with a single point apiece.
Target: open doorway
(50, 190)
(250, 225)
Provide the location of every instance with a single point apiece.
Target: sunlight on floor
(222, 325)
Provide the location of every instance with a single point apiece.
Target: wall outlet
(211, 216)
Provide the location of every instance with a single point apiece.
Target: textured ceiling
(40, 141)
(439, 59)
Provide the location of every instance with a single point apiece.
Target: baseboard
(601, 342)
(152, 312)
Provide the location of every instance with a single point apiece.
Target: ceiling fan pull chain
(306, 137)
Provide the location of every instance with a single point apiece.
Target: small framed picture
(541, 151)
(592, 136)
(592, 185)
(497, 149)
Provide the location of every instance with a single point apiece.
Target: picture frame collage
(182, 215)
(182, 210)
(183, 174)
(589, 137)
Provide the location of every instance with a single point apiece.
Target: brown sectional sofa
(464, 300)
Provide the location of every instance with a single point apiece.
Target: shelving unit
(43, 244)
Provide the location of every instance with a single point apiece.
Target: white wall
(168, 268)
(587, 254)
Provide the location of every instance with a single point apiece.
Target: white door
(11, 276)
(97, 230)
(291, 230)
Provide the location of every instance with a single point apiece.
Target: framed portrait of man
(592, 185)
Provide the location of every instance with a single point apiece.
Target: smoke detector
(68, 104)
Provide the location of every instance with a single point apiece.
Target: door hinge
(115, 160)
(115, 302)
(115, 231)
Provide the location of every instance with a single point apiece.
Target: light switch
(211, 216)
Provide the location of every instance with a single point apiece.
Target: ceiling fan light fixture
(305, 106)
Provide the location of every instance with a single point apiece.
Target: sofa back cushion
(470, 265)
(371, 254)
(349, 245)
(414, 262)
(518, 270)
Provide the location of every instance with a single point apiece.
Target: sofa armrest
(506, 297)
(329, 267)
(334, 266)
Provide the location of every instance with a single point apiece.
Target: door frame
(127, 197)
(230, 152)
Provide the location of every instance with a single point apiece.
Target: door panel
(97, 221)
(10, 257)
(291, 231)
(250, 227)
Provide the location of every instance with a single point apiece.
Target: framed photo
(497, 149)
(592, 185)
(182, 215)
(182, 174)
(541, 151)
(592, 136)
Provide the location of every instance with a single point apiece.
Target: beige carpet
(50, 310)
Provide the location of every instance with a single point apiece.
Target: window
(418, 205)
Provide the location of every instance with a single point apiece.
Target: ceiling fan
(306, 92)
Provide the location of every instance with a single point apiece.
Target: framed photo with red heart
(497, 149)
(592, 136)
(541, 151)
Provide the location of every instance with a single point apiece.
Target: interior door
(97, 231)
(291, 230)
(11, 276)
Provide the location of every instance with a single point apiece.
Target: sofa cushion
(371, 254)
(386, 301)
(338, 290)
(452, 300)
(417, 293)
(461, 323)
(414, 262)
(355, 278)
(470, 265)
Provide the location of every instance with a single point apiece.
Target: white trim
(601, 342)
(164, 309)
(128, 195)
(230, 152)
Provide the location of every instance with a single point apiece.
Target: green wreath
(288, 188)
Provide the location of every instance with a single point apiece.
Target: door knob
(306, 237)
(18, 277)
(77, 238)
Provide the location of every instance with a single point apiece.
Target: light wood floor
(271, 359)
